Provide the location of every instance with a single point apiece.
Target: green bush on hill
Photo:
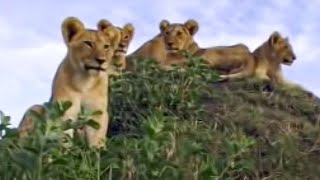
(179, 124)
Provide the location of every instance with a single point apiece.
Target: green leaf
(66, 105)
(96, 113)
(92, 123)
(26, 160)
(5, 120)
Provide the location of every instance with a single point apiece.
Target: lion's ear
(129, 28)
(164, 24)
(111, 32)
(71, 26)
(103, 24)
(275, 37)
(192, 26)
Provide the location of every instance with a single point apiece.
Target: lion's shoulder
(153, 48)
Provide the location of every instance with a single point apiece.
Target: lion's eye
(126, 37)
(106, 46)
(179, 33)
(167, 32)
(88, 43)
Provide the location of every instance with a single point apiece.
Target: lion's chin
(287, 62)
(120, 52)
(94, 70)
(90, 67)
(173, 50)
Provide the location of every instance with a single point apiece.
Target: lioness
(177, 38)
(156, 47)
(81, 77)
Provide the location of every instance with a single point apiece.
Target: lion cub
(270, 55)
(177, 38)
(119, 60)
(119, 57)
(156, 47)
(82, 76)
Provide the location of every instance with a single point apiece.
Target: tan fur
(229, 57)
(26, 125)
(179, 37)
(269, 57)
(267, 61)
(156, 48)
(81, 77)
(236, 60)
(119, 58)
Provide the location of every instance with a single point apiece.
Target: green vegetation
(179, 124)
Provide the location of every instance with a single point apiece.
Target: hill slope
(180, 125)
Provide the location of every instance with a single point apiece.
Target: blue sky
(31, 43)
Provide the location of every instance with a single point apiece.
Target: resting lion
(264, 63)
(156, 47)
(224, 58)
(81, 77)
(268, 58)
(270, 55)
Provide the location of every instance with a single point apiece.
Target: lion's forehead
(95, 36)
(286, 46)
(123, 33)
(174, 28)
(121, 30)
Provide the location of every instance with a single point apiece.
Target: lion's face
(282, 48)
(127, 33)
(90, 51)
(178, 36)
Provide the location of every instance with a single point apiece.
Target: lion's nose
(100, 60)
(170, 44)
(122, 45)
(294, 57)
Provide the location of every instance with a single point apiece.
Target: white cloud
(4, 31)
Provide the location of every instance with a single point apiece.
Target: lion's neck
(120, 61)
(193, 48)
(118, 58)
(266, 51)
(74, 79)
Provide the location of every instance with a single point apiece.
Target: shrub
(179, 124)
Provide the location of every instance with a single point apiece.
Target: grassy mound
(180, 124)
